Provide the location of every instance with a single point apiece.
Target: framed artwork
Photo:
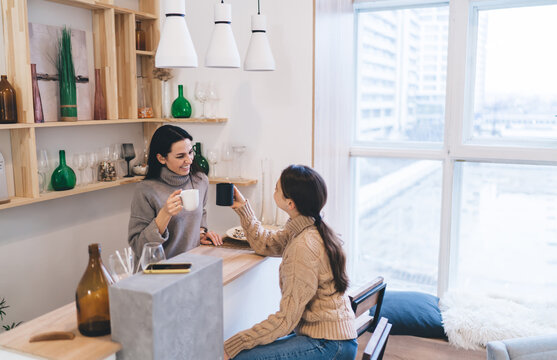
(43, 46)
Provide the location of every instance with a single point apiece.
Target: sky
(522, 50)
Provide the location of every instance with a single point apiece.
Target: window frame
(461, 55)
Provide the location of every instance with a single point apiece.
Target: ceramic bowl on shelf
(140, 170)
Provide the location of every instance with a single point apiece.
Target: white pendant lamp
(259, 56)
(222, 51)
(175, 48)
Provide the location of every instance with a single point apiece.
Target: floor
(414, 348)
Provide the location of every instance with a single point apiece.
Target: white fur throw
(472, 320)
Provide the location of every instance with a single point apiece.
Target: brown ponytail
(307, 189)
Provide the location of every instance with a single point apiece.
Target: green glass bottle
(63, 177)
(181, 107)
(199, 159)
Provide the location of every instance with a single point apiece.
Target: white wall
(43, 247)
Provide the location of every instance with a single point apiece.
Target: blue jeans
(294, 347)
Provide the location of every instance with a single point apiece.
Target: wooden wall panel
(18, 63)
(126, 65)
(24, 159)
(105, 57)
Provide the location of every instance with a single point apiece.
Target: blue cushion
(413, 313)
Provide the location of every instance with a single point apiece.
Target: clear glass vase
(166, 100)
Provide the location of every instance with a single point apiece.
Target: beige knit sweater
(310, 304)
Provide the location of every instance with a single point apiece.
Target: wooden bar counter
(14, 344)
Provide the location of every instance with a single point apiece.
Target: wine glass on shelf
(213, 99)
(227, 156)
(81, 163)
(201, 96)
(92, 162)
(115, 156)
(152, 253)
(213, 158)
(42, 165)
(238, 151)
(129, 154)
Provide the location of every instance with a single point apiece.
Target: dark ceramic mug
(225, 194)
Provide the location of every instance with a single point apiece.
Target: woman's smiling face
(180, 157)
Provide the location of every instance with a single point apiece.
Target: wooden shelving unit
(119, 61)
(111, 122)
(235, 181)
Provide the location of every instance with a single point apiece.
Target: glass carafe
(63, 177)
(91, 296)
(199, 159)
(181, 107)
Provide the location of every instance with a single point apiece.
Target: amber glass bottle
(139, 36)
(8, 107)
(91, 296)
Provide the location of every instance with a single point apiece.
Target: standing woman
(313, 278)
(157, 214)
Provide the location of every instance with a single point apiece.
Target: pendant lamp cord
(258, 9)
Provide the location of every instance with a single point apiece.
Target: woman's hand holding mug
(239, 199)
(174, 203)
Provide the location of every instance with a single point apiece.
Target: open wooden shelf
(50, 195)
(145, 53)
(100, 5)
(109, 122)
(235, 181)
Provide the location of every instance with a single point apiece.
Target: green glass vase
(200, 160)
(63, 177)
(181, 107)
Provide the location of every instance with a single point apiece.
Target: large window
(454, 152)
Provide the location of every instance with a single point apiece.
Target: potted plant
(3, 307)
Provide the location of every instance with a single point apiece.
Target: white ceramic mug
(190, 199)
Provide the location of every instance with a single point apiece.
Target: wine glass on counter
(152, 253)
(129, 154)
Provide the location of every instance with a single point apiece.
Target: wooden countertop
(236, 261)
(61, 319)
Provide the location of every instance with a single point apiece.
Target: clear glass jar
(144, 107)
(107, 171)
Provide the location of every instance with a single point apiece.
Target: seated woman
(313, 278)
(157, 214)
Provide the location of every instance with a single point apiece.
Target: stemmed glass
(201, 95)
(213, 98)
(213, 158)
(115, 155)
(42, 165)
(92, 161)
(129, 154)
(227, 156)
(152, 253)
(81, 164)
(239, 150)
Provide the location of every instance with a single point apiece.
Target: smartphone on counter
(170, 268)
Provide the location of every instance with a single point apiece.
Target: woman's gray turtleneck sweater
(182, 232)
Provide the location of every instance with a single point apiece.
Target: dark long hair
(307, 189)
(161, 143)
